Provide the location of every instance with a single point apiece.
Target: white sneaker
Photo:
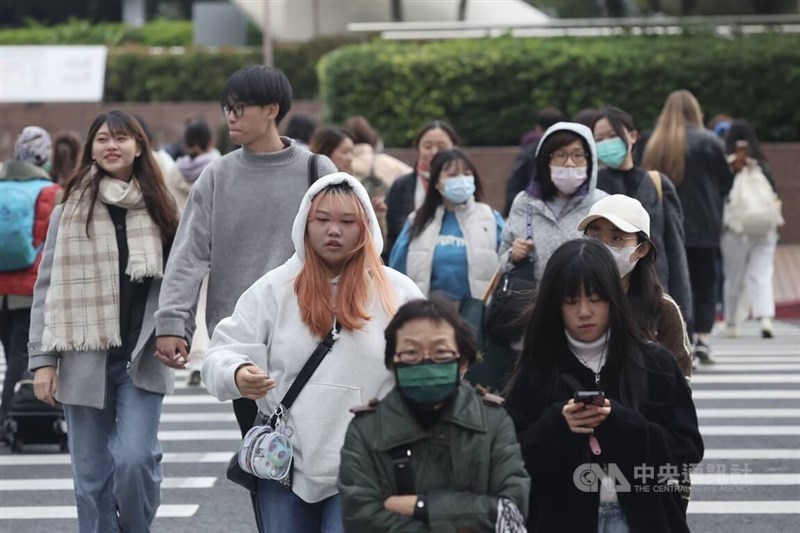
(730, 331)
(766, 328)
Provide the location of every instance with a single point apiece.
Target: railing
(723, 25)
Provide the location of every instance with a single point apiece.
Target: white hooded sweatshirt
(266, 329)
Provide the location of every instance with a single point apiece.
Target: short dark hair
(549, 116)
(436, 125)
(326, 140)
(197, 133)
(742, 130)
(258, 85)
(301, 127)
(435, 311)
(585, 116)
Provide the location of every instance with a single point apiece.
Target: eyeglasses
(237, 109)
(412, 357)
(560, 158)
(617, 242)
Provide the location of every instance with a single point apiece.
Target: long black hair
(645, 292)
(742, 130)
(582, 264)
(433, 198)
(618, 119)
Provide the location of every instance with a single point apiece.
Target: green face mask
(427, 383)
(612, 152)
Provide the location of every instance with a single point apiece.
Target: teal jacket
(462, 465)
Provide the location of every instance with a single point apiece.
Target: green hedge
(490, 89)
(158, 32)
(140, 75)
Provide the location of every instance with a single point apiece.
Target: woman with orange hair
(335, 282)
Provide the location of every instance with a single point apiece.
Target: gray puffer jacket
(551, 231)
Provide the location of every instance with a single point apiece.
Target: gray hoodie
(551, 231)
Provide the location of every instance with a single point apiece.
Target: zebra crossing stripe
(754, 454)
(748, 413)
(748, 479)
(749, 431)
(200, 434)
(743, 378)
(63, 458)
(67, 511)
(745, 394)
(743, 507)
(66, 483)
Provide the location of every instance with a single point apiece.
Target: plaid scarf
(81, 308)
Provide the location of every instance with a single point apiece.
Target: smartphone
(593, 397)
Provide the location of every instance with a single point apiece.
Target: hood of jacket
(591, 184)
(19, 170)
(300, 221)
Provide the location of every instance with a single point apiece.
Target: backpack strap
(401, 461)
(655, 175)
(313, 171)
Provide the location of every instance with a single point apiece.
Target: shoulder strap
(312, 169)
(401, 461)
(655, 175)
(308, 369)
(529, 220)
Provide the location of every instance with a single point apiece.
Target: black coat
(707, 181)
(666, 227)
(662, 431)
(399, 204)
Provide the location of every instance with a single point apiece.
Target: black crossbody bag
(235, 472)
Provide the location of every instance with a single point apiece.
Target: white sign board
(31, 74)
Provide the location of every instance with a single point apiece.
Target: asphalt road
(748, 405)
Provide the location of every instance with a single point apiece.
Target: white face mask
(568, 179)
(622, 258)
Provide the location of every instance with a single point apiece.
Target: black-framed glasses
(440, 355)
(237, 109)
(560, 158)
(617, 242)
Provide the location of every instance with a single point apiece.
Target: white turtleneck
(591, 354)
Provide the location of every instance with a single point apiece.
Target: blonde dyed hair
(666, 149)
(361, 277)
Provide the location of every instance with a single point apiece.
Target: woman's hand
(172, 351)
(253, 382)
(403, 505)
(520, 249)
(45, 384)
(582, 418)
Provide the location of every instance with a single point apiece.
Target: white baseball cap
(624, 212)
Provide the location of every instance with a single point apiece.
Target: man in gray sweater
(238, 219)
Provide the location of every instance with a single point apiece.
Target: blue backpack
(18, 199)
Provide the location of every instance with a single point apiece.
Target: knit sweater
(236, 226)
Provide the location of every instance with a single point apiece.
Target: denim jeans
(282, 510)
(116, 456)
(611, 519)
(14, 325)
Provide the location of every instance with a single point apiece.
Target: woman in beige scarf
(92, 329)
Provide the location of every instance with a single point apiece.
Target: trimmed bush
(491, 89)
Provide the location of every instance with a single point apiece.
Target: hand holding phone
(587, 398)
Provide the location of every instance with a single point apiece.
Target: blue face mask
(612, 152)
(458, 189)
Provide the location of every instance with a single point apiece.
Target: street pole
(266, 35)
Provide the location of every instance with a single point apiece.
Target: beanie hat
(33, 146)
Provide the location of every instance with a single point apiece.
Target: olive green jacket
(467, 460)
